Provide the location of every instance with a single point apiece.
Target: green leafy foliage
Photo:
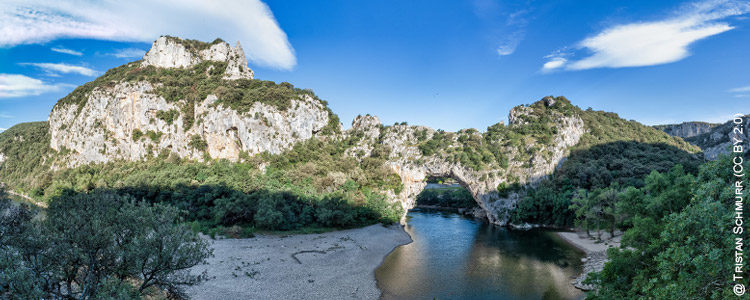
(453, 197)
(312, 185)
(168, 116)
(97, 245)
(677, 239)
(198, 143)
(27, 153)
(187, 86)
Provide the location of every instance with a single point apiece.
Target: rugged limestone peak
(134, 112)
(719, 138)
(172, 52)
(686, 129)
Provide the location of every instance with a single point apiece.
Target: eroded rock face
(169, 52)
(130, 121)
(122, 123)
(407, 161)
(686, 129)
(713, 139)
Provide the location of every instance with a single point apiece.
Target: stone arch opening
(446, 193)
(483, 188)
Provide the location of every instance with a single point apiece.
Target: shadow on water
(453, 257)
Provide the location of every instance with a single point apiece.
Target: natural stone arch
(407, 160)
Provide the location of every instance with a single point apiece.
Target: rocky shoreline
(596, 253)
(332, 265)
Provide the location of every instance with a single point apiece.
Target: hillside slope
(190, 116)
(188, 98)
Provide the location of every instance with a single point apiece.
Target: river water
(453, 257)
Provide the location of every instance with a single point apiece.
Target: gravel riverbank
(332, 265)
(596, 253)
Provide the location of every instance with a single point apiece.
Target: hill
(189, 125)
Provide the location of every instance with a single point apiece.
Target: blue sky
(444, 64)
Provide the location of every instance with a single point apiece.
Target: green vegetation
(137, 135)
(456, 197)
(677, 235)
(96, 246)
(193, 46)
(168, 115)
(187, 86)
(313, 185)
(27, 155)
(154, 136)
(198, 143)
(612, 153)
(533, 135)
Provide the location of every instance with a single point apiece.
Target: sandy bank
(332, 265)
(596, 253)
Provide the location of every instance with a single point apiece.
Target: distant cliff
(686, 129)
(719, 139)
(713, 139)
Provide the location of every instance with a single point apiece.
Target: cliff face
(686, 129)
(414, 166)
(200, 101)
(720, 138)
(713, 139)
(171, 52)
(131, 120)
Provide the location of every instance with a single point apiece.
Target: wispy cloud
(744, 89)
(16, 85)
(655, 42)
(4, 115)
(128, 53)
(740, 92)
(249, 21)
(507, 23)
(554, 63)
(62, 68)
(67, 51)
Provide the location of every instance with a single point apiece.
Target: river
(453, 257)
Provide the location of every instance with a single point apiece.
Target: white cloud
(744, 89)
(4, 115)
(62, 68)
(554, 63)
(250, 21)
(67, 51)
(506, 22)
(16, 85)
(506, 49)
(740, 92)
(657, 42)
(3, 129)
(128, 53)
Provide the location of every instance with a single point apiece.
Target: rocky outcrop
(414, 168)
(686, 129)
(720, 138)
(171, 52)
(129, 120)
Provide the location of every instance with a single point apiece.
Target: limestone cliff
(172, 52)
(199, 101)
(686, 129)
(133, 112)
(526, 164)
(720, 138)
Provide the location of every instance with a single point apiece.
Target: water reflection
(457, 258)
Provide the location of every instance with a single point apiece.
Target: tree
(100, 244)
